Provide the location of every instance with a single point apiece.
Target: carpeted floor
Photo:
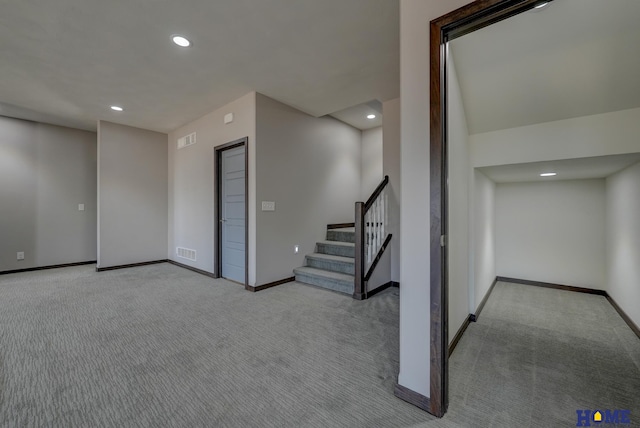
(163, 346)
(536, 355)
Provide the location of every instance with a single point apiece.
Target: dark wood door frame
(218, 198)
(467, 19)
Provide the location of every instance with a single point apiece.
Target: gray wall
(623, 240)
(382, 273)
(191, 182)
(414, 263)
(458, 198)
(371, 161)
(132, 195)
(579, 137)
(310, 167)
(45, 172)
(483, 248)
(552, 231)
(391, 167)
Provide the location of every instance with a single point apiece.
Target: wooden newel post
(359, 290)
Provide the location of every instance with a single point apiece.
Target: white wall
(191, 182)
(132, 195)
(563, 139)
(382, 274)
(414, 92)
(623, 240)
(552, 232)
(371, 161)
(310, 167)
(45, 172)
(391, 167)
(414, 266)
(484, 230)
(458, 188)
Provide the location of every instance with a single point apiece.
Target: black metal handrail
(376, 193)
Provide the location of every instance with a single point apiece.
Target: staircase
(332, 266)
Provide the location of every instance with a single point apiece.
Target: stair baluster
(370, 239)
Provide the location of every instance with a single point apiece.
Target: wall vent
(186, 253)
(187, 140)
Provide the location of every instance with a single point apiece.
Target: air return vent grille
(187, 140)
(186, 253)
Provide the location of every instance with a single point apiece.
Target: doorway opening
(467, 19)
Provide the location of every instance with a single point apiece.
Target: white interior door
(232, 214)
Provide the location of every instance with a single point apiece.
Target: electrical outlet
(80, 207)
(268, 206)
(20, 255)
(296, 249)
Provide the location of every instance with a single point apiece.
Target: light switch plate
(228, 118)
(268, 206)
(80, 207)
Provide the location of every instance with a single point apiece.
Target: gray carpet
(536, 355)
(163, 346)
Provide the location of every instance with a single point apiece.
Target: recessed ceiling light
(548, 174)
(371, 116)
(181, 41)
(116, 108)
(541, 5)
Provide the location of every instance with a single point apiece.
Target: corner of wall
(98, 126)
(46, 171)
(391, 167)
(310, 167)
(623, 240)
(191, 189)
(133, 174)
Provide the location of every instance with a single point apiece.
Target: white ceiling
(67, 61)
(357, 115)
(567, 169)
(573, 58)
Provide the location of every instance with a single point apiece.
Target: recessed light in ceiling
(542, 5)
(548, 174)
(116, 108)
(181, 41)
(371, 116)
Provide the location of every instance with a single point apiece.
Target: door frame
(242, 142)
(469, 18)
